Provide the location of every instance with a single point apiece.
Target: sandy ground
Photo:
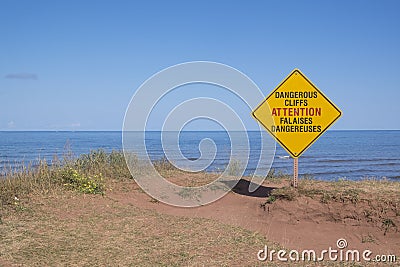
(303, 223)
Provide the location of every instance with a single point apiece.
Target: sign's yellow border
(295, 72)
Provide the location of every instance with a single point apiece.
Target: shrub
(286, 193)
(86, 184)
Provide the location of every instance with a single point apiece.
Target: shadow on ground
(242, 188)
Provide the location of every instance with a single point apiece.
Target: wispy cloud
(22, 76)
(11, 124)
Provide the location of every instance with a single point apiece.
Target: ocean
(352, 155)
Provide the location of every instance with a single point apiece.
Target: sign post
(296, 113)
(295, 172)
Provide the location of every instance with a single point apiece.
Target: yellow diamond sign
(296, 113)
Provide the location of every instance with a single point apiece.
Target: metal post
(295, 172)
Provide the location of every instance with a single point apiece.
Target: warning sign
(296, 113)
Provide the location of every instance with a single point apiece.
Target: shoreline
(336, 154)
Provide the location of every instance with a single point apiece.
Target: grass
(368, 239)
(388, 223)
(85, 174)
(59, 213)
(88, 174)
(377, 201)
(50, 217)
(121, 236)
(343, 191)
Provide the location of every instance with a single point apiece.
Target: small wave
(354, 160)
(284, 157)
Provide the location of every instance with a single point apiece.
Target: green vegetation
(374, 201)
(62, 213)
(285, 193)
(270, 199)
(343, 191)
(85, 174)
(86, 184)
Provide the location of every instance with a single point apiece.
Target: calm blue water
(337, 154)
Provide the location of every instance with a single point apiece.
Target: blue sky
(74, 65)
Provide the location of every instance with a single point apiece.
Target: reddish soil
(303, 223)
